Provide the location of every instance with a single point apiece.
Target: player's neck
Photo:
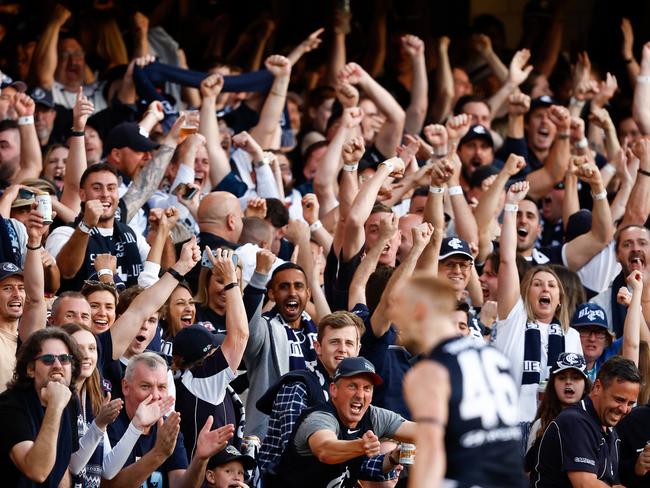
(437, 332)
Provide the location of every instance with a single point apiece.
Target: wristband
(455, 190)
(608, 168)
(259, 164)
(229, 286)
(576, 102)
(175, 274)
(350, 167)
(83, 227)
(599, 196)
(26, 120)
(639, 79)
(104, 272)
(644, 172)
(582, 143)
(511, 207)
(36, 248)
(429, 420)
(389, 164)
(77, 133)
(562, 135)
(315, 226)
(441, 153)
(436, 189)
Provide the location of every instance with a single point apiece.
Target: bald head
(219, 213)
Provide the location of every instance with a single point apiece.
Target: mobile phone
(206, 263)
(186, 192)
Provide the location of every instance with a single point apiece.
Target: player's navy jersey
(483, 436)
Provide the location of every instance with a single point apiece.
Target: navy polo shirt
(576, 441)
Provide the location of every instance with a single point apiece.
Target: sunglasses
(49, 359)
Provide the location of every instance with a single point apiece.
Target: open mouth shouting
(570, 393)
(522, 232)
(545, 300)
(636, 261)
(291, 307)
(187, 319)
(100, 325)
(15, 306)
(356, 407)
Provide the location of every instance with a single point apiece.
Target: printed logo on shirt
(591, 462)
(350, 432)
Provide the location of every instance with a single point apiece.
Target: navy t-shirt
(157, 479)
(391, 363)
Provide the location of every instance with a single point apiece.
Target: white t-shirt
(67, 99)
(509, 338)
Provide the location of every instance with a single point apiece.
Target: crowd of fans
(264, 266)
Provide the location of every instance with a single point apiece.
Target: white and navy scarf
(533, 351)
(300, 341)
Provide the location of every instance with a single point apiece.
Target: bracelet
(259, 164)
(83, 227)
(455, 190)
(36, 248)
(430, 420)
(644, 172)
(277, 93)
(609, 167)
(600, 196)
(389, 164)
(229, 286)
(582, 143)
(639, 79)
(26, 120)
(350, 167)
(104, 272)
(175, 274)
(511, 207)
(562, 135)
(77, 133)
(436, 189)
(315, 226)
(576, 102)
(442, 153)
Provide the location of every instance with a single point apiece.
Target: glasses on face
(599, 334)
(463, 265)
(72, 54)
(49, 359)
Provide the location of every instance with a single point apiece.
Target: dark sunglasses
(49, 359)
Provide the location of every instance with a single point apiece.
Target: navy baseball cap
(477, 132)
(354, 367)
(570, 360)
(589, 314)
(9, 269)
(19, 86)
(194, 342)
(543, 101)
(228, 454)
(42, 96)
(131, 135)
(454, 246)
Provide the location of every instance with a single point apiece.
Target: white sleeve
(57, 240)
(115, 457)
(211, 389)
(266, 186)
(509, 336)
(143, 246)
(149, 274)
(87, 445)
(601, 270)
(185, 174)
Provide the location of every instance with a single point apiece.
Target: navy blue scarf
(619, 312)
(9, 244)
(533, 350)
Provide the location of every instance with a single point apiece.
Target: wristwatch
(83, 227)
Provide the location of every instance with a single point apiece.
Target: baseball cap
(228, 454)
(23, 200)
(589, 314)
(543, 101)
(9, 269)
(19, 86)
(453, 245)
(40, 184)
(354, 367)
(477, 132)
(42, 96)
(131, 135)
(570, 360)
(193, 343)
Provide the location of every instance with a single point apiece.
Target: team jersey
(483, 436)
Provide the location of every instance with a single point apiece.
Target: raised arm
(35, 314)
(581, 249)
(234, 343)
(76, 163)
(31, 158)
(641, 103)
(633, 319)
(509, 292)
(517, 74)
(269, 124)
(45, 57)
(638, 207)
(312, 42)
(362, 206)
(390, 134)
(421, 235)
(337, 52)
(357, 290)
(319, 233)
(441, 105)
(148, 179)
(463, 217)
(627, 51)
(209, 127)
(151, 299)
(483, 44)
(417, 109)
(571, 202)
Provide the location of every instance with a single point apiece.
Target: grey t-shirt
(384, 424)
